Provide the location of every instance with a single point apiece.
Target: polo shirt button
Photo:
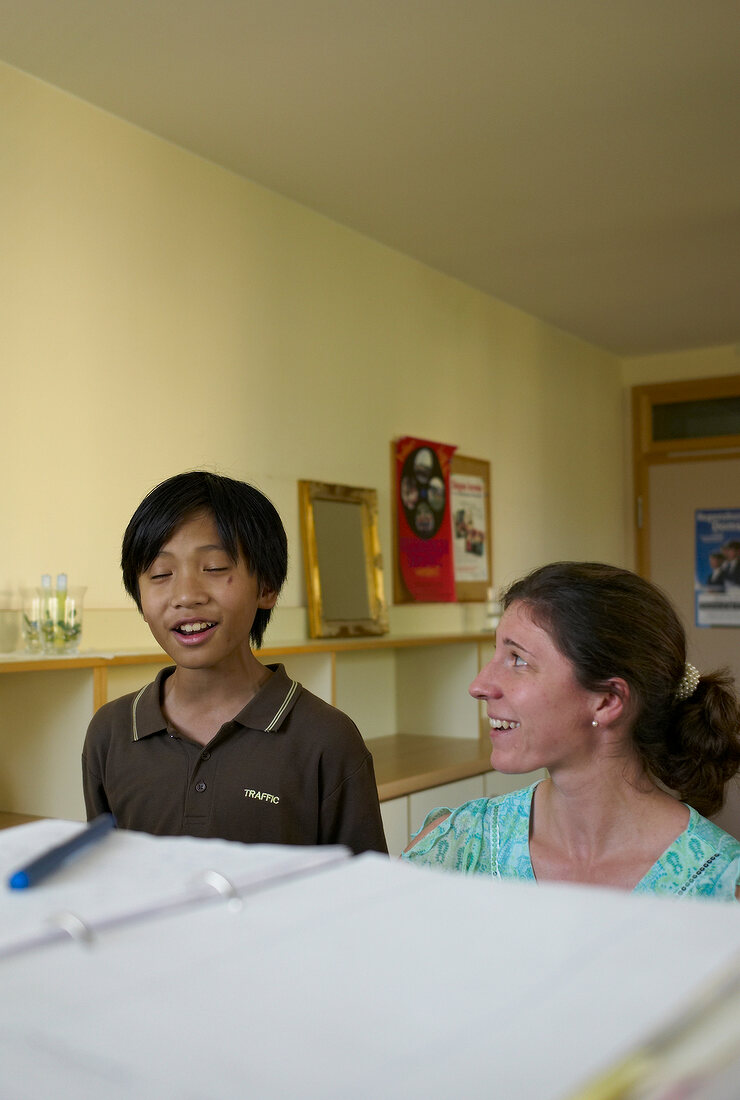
(205, 756)
(200, 786)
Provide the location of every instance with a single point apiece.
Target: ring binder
(223, 886)
(74, 926)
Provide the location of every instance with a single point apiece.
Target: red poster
(424, 525)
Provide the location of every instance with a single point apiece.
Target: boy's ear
(268, 597)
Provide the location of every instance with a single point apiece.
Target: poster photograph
(424, 562)
(471, 526)
(717, 568)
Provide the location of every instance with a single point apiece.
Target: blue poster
(717, 569)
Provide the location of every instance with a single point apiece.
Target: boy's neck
(198, 701)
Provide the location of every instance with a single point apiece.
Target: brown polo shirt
(288, 769)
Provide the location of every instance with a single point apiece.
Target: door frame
(647, 451)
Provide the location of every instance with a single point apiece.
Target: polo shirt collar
(146, 713)
(267, 711)
(273, 702)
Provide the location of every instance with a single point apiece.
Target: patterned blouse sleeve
(456, 843)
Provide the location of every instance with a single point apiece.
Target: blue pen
(52, 860)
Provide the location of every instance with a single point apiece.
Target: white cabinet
(404, 816)
(449, 794)
(395, 814)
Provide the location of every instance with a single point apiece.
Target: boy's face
(197, 602)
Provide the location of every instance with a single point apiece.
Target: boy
(220, 744)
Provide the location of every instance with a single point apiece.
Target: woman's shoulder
(703, 860)
(459, 838)
(710, 835)
(443, 820)
(462, 818)
(710, 832)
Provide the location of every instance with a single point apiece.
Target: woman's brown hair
(611, 623)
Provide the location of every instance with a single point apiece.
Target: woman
(589, 680)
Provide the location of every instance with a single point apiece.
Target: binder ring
(74, 926)
(224, 887)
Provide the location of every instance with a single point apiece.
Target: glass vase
(60, 619)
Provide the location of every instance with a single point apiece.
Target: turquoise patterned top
(490, 836)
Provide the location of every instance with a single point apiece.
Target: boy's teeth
(193, 628)
(502, 724)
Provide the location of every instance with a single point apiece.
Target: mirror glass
(341, 550)
(341, 553)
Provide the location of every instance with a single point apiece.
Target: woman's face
(540, 715)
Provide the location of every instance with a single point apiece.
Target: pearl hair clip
(688, 684)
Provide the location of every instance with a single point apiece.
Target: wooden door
(676, 490)
(673, 478)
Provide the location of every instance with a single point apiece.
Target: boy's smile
(192, 632)
(198, 602)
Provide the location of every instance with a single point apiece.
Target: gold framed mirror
(342, 559)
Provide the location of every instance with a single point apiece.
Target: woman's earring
(594, 723)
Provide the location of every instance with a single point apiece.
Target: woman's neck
(607, 828)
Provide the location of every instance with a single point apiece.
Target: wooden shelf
(413, 683)
(42, 662)
(405, 763)
(7, 820)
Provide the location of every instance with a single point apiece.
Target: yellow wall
(159, 313)
(678, 366)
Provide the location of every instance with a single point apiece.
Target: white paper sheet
(371, 979)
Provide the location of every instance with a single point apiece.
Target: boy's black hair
(246, 520)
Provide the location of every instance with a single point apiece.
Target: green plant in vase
(60, 616)
(31, 633)
(48, 633)
(70, 629)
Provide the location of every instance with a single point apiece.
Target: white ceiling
(579, 159)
